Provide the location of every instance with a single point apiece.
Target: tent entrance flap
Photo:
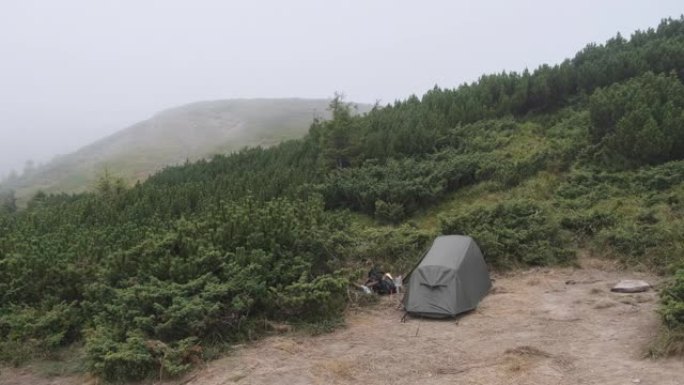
(434, 276)
(451, 278)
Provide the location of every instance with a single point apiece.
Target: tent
(451, 278)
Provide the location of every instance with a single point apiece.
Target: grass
(320, 327)
(667, 343)
(337, 369)
(540, 188)
(64, 362)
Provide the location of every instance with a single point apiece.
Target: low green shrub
(672, 299)
(671, 339)
(588, 223)
(656, 246)
(153, 303)
(32, 332)
(389, 212)
(513, 233)
(313, 300)
(127, 360)
(638, 122)
(395, 249)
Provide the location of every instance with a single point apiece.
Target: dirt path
(546, 326)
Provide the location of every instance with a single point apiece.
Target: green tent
(451, 278)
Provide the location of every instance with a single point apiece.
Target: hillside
(574, 161)
(189, 132)
(539, 326)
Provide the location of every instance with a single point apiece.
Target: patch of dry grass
(287, 345)
(521, 358)
(526, 350)
(604, 304)
(667, 343)
(629, 300)
(643, 298)
(604, 264)
(337, 369)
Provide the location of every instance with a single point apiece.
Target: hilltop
(174, 136)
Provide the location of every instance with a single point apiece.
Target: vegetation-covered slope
(171, 137)
(585, 156)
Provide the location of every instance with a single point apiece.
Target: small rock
(636, 380)
(631, 286)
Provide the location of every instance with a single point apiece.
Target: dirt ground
(541, 326)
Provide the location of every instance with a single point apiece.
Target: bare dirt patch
(541, 326)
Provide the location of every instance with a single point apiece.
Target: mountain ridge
(187, 132)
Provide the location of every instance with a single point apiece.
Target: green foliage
(672, 311)
(8, 203)
(394, 248)
(634, 216)
(146, 292)
(323, 297)
(136, 358)
(673, 302)
(109, 185)
(500, 150)
(337, 137)
(27, 332)
(513, 233)
(53, 327)
(639, 122)
(389, 212)
(588, 223)
(156, 277)
(129, 360)
(417, 126)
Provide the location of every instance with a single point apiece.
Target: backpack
(385, 284)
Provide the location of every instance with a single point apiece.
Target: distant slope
(170, 137)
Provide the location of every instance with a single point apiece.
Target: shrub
(638, 122)
(31, 331)
(671, 339)
(673, 302)
(389, 212)
(318, 300)
(588, 223)
(512, 233)
(128, 360)
(396, 249)
(153, 297)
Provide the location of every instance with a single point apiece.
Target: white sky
(73, 71)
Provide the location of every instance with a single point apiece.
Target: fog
(73, 71)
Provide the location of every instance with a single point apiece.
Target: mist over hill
(584, 158)
(170, 137)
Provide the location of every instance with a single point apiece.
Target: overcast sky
(73, 71)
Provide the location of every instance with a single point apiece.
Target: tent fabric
(451, 278)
